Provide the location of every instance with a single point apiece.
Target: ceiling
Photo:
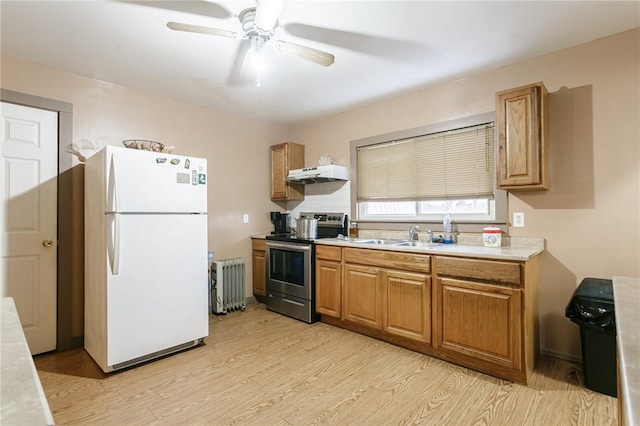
(381, 48)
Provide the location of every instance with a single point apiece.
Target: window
(420, 175)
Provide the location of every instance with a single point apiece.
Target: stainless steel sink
(373, 241)
(391, 242)
(420, 244)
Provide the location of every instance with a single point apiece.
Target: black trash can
(592, 308)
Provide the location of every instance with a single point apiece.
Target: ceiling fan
(258, 26)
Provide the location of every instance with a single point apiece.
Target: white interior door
(28, 219)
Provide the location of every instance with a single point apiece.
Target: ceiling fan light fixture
(257, 43)
(258, 28)
(257, 57)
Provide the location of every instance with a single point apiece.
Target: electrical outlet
(518, 220)
(245, 218)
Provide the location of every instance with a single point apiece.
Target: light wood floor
(262, 368)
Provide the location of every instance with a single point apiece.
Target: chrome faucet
(413, 231)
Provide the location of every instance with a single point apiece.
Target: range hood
(318, 174)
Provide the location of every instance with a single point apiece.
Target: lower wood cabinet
(329, 288)
(480, 320)
(486, 311)
(406, 305)
(396, 302)
(388, 291)
(259, 266)
(329, 281)
(479, 313)
(363, 295)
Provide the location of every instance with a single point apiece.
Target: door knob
(47, 243)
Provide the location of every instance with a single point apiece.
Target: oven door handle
(292, 302)
(294, 247)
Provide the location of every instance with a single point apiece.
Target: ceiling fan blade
(196, 7)
(310, 54)
(177, 26)
(400, 50)
(237, 77)
(267, 14)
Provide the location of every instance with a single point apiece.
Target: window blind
(456, 164)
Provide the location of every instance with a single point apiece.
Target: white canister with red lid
(492, 236)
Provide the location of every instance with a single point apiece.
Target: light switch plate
(245, 218)
(518, 220)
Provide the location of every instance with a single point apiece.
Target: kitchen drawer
(389, 259)
(258, 244)
(485, 270)
(328, 252)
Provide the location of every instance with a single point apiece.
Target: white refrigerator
(146, 282)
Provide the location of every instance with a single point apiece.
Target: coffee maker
(281, 223)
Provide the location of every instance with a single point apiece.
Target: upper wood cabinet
(522, 137)
(284, 157)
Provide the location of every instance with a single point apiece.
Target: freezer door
(152, 182)
(159, 297)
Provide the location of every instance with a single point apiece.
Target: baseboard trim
(561, 355)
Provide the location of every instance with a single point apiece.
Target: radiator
(228, 286)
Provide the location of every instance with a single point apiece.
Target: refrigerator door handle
(114, 208)
(113, 248)
(113, 195)
(116, 244)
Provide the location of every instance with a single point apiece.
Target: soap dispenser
(446, 224)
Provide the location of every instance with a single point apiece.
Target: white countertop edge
(48, 416)
(626, 296)
(518, 253)
(33, 407)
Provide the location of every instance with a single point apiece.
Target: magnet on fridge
(187, 163)
(175, 161)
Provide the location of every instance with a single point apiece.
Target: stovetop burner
(330, 225)
(289, 238)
